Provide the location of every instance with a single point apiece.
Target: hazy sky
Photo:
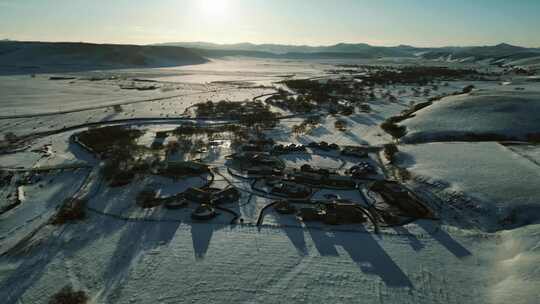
(314, 22)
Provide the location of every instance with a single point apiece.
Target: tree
(389, 151)
(396, 131)
(10, 137)
(341, 125)
(117, 108)
(468, 89)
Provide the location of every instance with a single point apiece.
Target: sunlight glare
(214, 8)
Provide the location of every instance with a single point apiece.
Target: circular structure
(176, 204)
(284, 207)
(203, 212)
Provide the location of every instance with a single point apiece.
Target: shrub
(118, 108)
(192, 129)
(397, 119)
(147, 199)
(403, 174)
(299, 129)
(109, 169)
(347, 110)
(420, 106)
(313, 120)
(306, 126)
(420, 75)
(122, 178)
(161, 134)
(364, 107)
(341, 125)
(268, 119)
(389, 151)
(248, 113)
(467, 89)
(68, 296)
(10, 137)
(109, 140)
(281, 92)
(204, 109)
(71, 210)
(393, 129)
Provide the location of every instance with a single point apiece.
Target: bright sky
(313, 22)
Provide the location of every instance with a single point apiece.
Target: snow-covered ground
(502, 184)
(501, 113)
(483, 248)
(121, 262)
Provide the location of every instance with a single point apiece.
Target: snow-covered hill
(482, 115)
(40, 57)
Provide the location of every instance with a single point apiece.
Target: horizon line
(269, 43)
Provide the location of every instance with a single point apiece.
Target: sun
(214, 8)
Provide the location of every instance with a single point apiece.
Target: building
(309, 178)
(181, 168)
(292, 148)
(339, 181)
(343, 213)
(361, 170)
(290, 190)
(264, 171)
(226, 196)
(322, 177)
(203, 212)
(397, 195)
(263, 159)
(197, 195)
(354, 151)
(284, 207)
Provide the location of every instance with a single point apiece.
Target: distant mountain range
(283, 49)
(360, 50)
(49, 57)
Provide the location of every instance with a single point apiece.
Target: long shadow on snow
(413, 240)
(30, 271)
(445, 239)
(323, 241)
(136, 239)
(295, 235)
(363, 120)
(362, 248)
(405, 159)
(201, 235)
(355, 138)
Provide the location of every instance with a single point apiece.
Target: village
(290, 189)
(315, 156)
(222, 155)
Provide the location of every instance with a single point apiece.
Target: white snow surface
(504, 182)
(125, 254)
(507, 113)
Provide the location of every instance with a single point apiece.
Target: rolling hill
(41, 57)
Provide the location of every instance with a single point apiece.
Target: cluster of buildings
(206, 200)
(396, 195)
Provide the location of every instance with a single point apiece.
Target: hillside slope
(43, 57)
